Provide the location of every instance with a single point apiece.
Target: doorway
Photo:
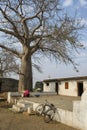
(0, 86)
(80, 88)
(56, 87)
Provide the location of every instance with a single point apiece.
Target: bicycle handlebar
(49, 104)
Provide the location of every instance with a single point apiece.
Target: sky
(52, 69)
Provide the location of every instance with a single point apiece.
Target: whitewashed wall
(71, 91)
(72, 88)
(50, 88)
(85, 85)
(78, 117)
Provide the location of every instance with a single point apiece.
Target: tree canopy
(40, 27)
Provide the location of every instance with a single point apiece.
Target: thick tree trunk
(25, 75)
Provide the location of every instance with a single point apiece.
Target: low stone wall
(12, 96)
(76, 118)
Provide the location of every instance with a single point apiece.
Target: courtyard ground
(63, 102)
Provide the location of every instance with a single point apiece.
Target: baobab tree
(38, 27)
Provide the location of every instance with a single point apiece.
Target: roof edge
(64, 79)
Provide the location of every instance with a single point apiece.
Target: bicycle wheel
(39, 109)
(49, 115)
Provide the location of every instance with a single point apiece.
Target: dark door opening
(0, 86)
(80, 88)
(56, 84)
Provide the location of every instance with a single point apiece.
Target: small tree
(8, 63)
(40, 28)
(39, 85)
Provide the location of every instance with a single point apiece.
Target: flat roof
(64, 79)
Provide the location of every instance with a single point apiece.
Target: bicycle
(47, 110)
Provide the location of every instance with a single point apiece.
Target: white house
(72, 86)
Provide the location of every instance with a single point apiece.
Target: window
(66, 85)
(47, 84)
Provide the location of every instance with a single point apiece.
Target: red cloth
(26, 93)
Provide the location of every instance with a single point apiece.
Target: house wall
(49, 88)
(72, 87)
(85, 85)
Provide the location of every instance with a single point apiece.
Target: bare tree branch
(8, 63)
(36, 46)
(15, 33)
(11, 50)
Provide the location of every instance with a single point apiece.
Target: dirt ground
(18, 121)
